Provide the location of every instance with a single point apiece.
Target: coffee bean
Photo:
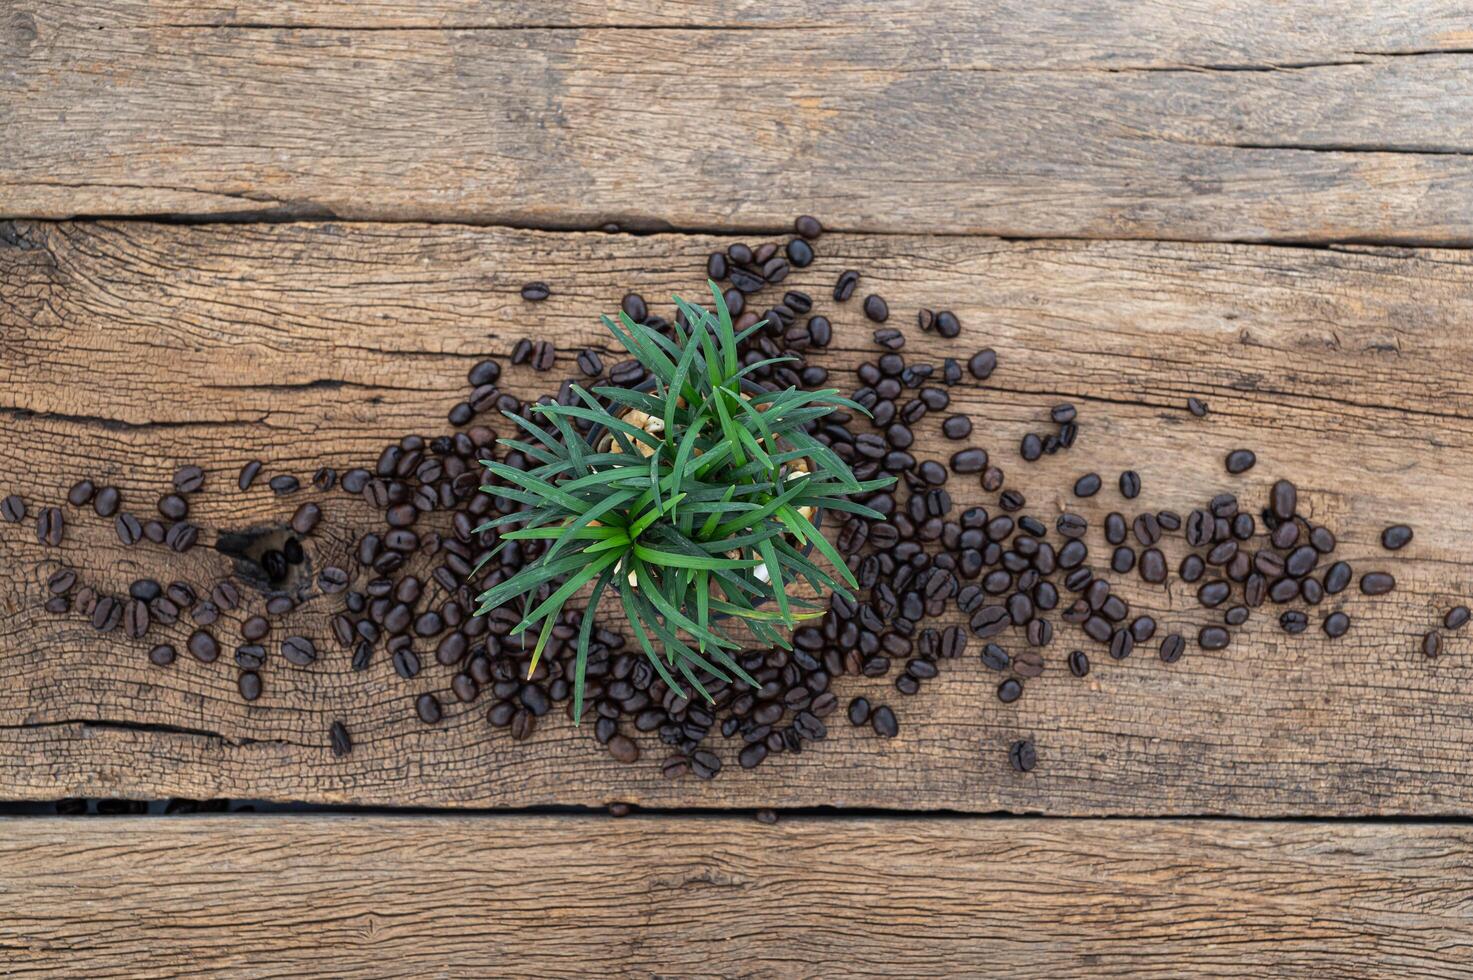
(284, 484)
(1322, 540)
(1284, 590)
(1147, 530)
(250, 656)
(535, 292)
(1240, 461)
(427, 706)
(1456, 618)
(982, 364)
(1284, 500)
(203, 646)
(1285, 536)
(306, 518)
(339, 739)
(274, 564)
(1236, 616)
(332, 580)
(1022, 756)
(1031, 447)
(623, 749)
(189, 479)
(704, 764)
(1122, 559)
(989, 621)
(1396, 537)
(1153, 566)
(876, 309)
(1121, 644)
(182, 537)
(1431, 644)
(299, 650)
(136, 619)
(971, 460)
(205, 614)
(81, 493)
(1078, 663)
(1294, 622)
(1214, 593)
(61, 581)
(1087, 485)
(1172, 648)
(1337, 577)
(248, 474)
(1336, 624)
(844, 287)
(225, 594)
(173, 506)
(1130, 484)
(249, 684)
(162, 655)
(1377, 583)
(50, 527)
(280, 605)
(1009, 691)
(1213, 638)
(13, 509)
(889, 339)
(1197, 407)
(106, 502)
(1028, 663)
(859, 711)
(1301, 561)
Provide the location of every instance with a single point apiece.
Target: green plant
(702, 513)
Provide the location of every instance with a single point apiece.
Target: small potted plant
(695, 499)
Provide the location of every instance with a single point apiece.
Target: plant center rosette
(689, 504)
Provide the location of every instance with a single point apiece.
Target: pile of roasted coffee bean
(406, 600)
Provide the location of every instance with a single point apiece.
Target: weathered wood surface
(126, 349)
(1307, 121)
(570, 896)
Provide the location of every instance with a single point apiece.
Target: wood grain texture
(566, 896)
(1236, 121)
(126, 349)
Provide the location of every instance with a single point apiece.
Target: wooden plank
(1061, 119)
(128, 348)
(564, 896)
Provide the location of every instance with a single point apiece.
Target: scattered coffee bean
(1022, 755)
(13, 509)
(876, 309)
(248, 474)
(535, 292)
(1240, 461)
(1197, 407)
(1130, 484)
(1336, 624)
(1396, 537)
(1456, 618)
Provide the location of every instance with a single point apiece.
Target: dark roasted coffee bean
(81, 493)
(249, 684)
(1396, 537)
(1122, 559)
(1172, 648)
(995, 657)
(971, 460)
(1130, 484)
(992, 478)
(982, 364)
(298, 650)
(1236, 616)
(1153, 566)
(136, 619)
(427, 706)
(339, 739)
(1142, 628)
(248, 474)
(280, 605)
(1294, 622)
(956, 427)
(889, 338)
(306, 518)
(1009, 691)
(162, 655)
(1071, 526)
(1337, 577)
(535, 292)
(174, 507)
(1022, 755)
(325, 478)
(1146, 529)
(1284, 590)
(332, 580)
(1087, 485)
(876, 309)
(1255, 590)
(1213, 638)
(273, 562)
(1078, 663)
(1214, 593)
(107, 614)
(13, 509)
(50, 527)
(1456, 618)
(1283, 500)
(844, 288)
(1336, 625)
(205, 613)
(1121, 644)
(1377, 583)
(129, 531)
(1301, 561)
(107, 501)
(1240, 461)
(252, 656)
(61, 581)
(544, 356)
(1311, 591)
(1197, 407)
(203, 646)
(1222, 553)
(182, 537)
(1431, 644)
(1031, 447)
